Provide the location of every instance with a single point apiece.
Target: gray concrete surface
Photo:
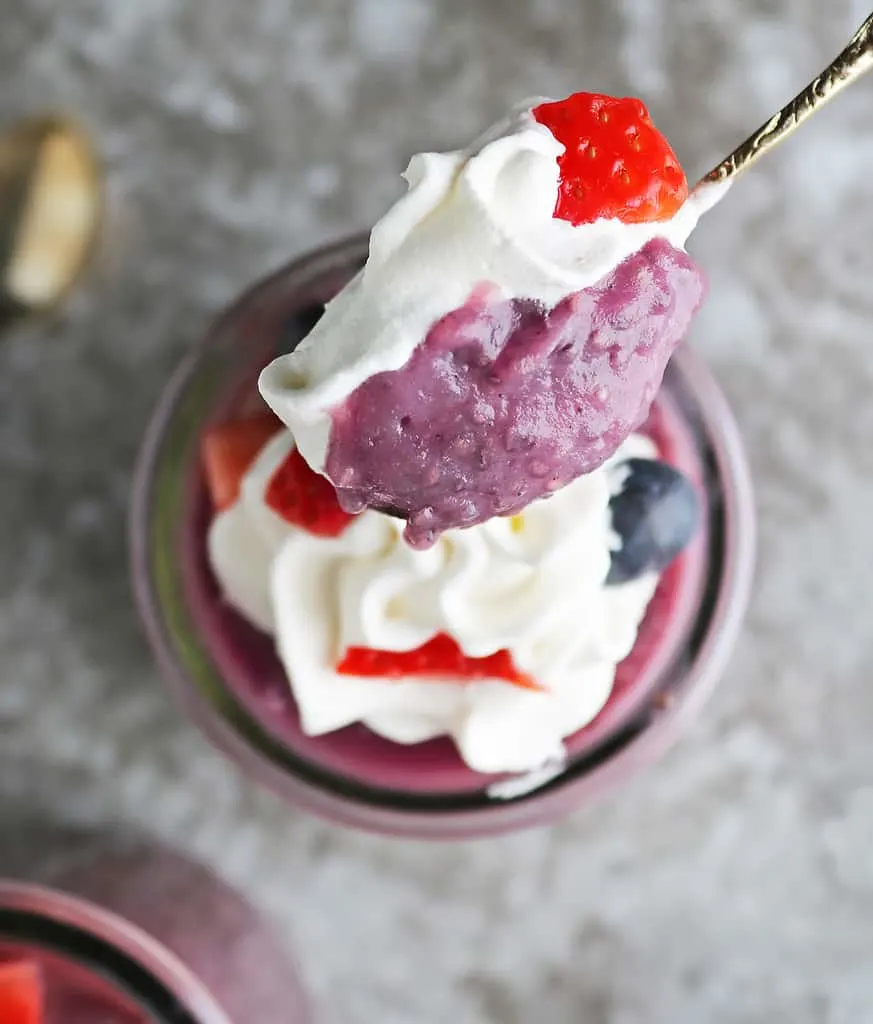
(735, 882)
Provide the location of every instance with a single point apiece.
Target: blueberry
(296, 327)
(656, 512)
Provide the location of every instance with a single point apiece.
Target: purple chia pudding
(505, 401)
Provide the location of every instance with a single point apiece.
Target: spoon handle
(854, 61)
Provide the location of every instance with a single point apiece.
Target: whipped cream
(533, 584)
(481, 214)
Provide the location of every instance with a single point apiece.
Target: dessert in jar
(131, 933)
(467, 547)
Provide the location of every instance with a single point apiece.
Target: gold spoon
(50, 206)
(854, 61)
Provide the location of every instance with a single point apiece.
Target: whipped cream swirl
(533, 584)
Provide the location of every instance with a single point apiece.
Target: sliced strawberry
(229, 449)
(440, 656)
(305, 498)
(615, 161)
(21, 995)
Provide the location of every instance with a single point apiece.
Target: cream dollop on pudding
(529, 597)
(511, 325)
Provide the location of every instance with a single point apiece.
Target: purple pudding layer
(506, 401)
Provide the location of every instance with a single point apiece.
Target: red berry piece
(227, 451)
(21, 994)
(440, 656)
(305, 498)
(615, 164)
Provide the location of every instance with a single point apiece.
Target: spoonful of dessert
(516, 313)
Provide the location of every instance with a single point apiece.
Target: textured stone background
(735, 882)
